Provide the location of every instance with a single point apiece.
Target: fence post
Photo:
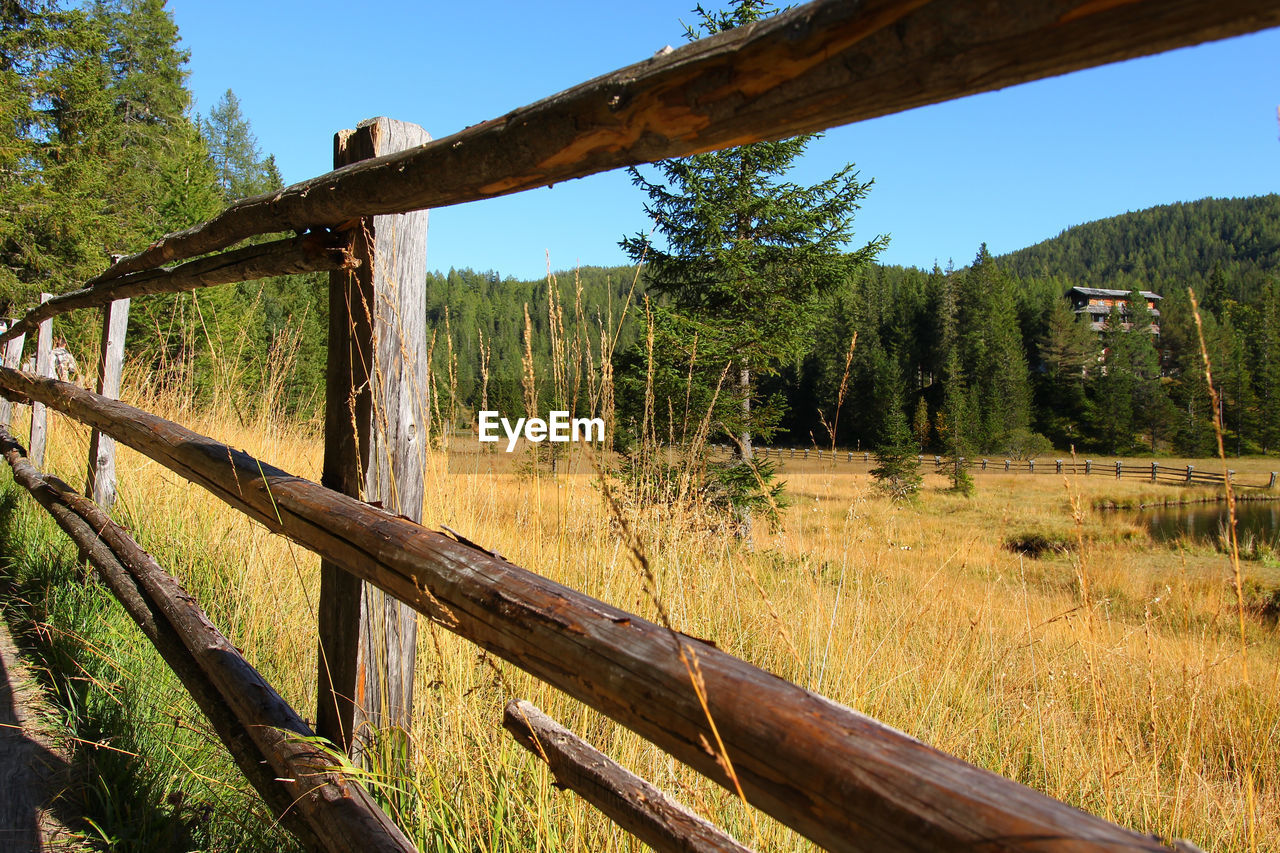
(866, 457)
(1118, 469)
(1088, 466)
(850, 455)
(1059, 465)
(1271, 484)
(376, 428)
(100, 482)
(1031, 466)
(806, 453)
(819, 452)
(1155, 470)
(1006, 464)
(1190, 468)
(44, 367)
(12, 360)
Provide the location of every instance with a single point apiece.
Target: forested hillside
(1181, 243)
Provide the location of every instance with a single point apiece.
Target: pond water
(1259, 520)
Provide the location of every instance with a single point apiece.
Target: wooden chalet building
(1097, 303)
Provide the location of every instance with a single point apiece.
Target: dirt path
(33, 773)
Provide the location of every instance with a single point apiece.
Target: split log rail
(844, 780)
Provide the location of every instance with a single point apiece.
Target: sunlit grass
(1133, 707)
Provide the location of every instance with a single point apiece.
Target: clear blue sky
(1011, 167)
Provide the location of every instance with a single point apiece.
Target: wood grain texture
(376, 425)
(12, 360)
(629, 801)
(320, 805)
(309, 253)
(44, 367)
(837, 776)
(100, 481)
(827, 63)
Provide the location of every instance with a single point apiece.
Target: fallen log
(845, 780)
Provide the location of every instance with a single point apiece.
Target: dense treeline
(509, 345)
(985, 362)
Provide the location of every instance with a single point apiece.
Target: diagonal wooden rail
(270, 743)
(827, 63)
(309, 253)
(844, 780)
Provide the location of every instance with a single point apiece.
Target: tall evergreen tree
(241, 167)
(746, 253)
(897, 469)
(991, 352)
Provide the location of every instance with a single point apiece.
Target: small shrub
(1037, 543)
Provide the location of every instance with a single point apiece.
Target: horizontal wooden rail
(625, 798)
(839, 777)
(270, 743)
(309, 253)
(826, 63)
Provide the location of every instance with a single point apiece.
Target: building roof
(1099, 291)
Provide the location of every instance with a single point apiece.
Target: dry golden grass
(1109, 677)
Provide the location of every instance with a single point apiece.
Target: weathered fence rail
(270, 743)
(840, 778)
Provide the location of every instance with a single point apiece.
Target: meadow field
(1107, 672)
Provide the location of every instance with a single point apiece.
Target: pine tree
(746, 254)
(1115, 387)
(897, 470)
(1069, 353)
(991, 352)
(956, 439)
(920, 425)
(241, 168)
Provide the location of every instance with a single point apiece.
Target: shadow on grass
(67, 626)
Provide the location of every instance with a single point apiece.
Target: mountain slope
(1179, 243)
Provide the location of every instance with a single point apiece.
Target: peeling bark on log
(323, 808)
(310, 253)
(626, 799)
(827, 63)
(846, 781)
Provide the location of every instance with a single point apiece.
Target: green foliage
(744, 258)
(1181, 243)
(151, 773)
(897, 469)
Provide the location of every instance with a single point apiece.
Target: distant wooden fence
(838, 777)
(1153, 472)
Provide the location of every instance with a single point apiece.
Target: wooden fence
(1152, 472)
(838, 777)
